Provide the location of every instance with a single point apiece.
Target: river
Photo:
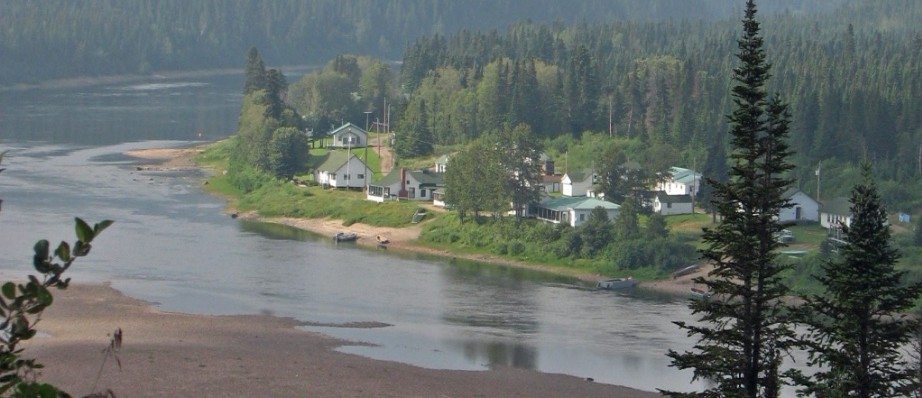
(171, 245)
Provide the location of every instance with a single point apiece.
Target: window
(668, 205)
(582, 217)
(346, 177)
(422, 193)
(360, 176)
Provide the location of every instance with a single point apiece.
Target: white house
(406, 184)
(680, 182)
(804, 207)
(349, 136)
(577, 183)
(438, 197)
(666, 204)
(342, 169)
(571, 210)
(834, 212)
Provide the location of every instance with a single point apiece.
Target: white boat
(617, 283)
(691, 269)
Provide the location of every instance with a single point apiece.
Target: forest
(99, 38)
(852, 84)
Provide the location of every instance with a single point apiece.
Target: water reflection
(493, 354)
(503, 302)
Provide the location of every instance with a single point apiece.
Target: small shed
(672, 204)
(804, 208)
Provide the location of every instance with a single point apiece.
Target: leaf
(9, 290)
(84, 232)
(101, 226)
(41, 249)
(63, 251)
(45, 297)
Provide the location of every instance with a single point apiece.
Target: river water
(171, 245)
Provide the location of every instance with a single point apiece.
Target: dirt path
(385, 153)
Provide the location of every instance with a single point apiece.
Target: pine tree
(744, 328)
(255, 72)
(858, 326)
(715, 170)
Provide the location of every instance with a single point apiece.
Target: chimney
(403, 183)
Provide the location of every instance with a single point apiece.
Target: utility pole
(819, 167)
(609, 116)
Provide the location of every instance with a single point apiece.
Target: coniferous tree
(255, 72)
(858, 327)
(715, 169)
(917, 237)
(744, 328)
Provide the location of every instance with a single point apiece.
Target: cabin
(406, 184)
(342, 169)
(680, 181)
(666, 204)
(804, 208)
(349, 136)
(836, 212)
(573, 211)
(577, 183)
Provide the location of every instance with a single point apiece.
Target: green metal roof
(840, 206)
(565, 203)
(424, 177)
(579, 175)
(663, 198)
(684, 176)
(334, 160)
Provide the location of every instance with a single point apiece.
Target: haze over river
(172, 245)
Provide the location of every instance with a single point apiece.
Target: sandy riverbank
(178, 355)
(405, 239)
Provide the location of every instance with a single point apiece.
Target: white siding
(809, 209)
(671, 208)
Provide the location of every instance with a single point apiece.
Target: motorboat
(345, 237)
(617, 283)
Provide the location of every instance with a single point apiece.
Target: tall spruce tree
(858, 327)
(255, 72)
(744, 328)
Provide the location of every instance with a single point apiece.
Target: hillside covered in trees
(851, 77)
(76, 38)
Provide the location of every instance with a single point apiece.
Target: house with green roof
(680, 181)
(349, 136)
(342, 169)
(571, 210)
(406, 184)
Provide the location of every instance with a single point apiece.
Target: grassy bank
(642, 257)
(276, 198)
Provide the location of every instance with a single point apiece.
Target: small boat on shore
(686, 271)
(698, 293)
(617, 283)
(345, 237)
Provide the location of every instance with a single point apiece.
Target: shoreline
(89, 81)
(402, 239)
(174, 354)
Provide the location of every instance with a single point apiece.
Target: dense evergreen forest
(47, 39)
(852, 78)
